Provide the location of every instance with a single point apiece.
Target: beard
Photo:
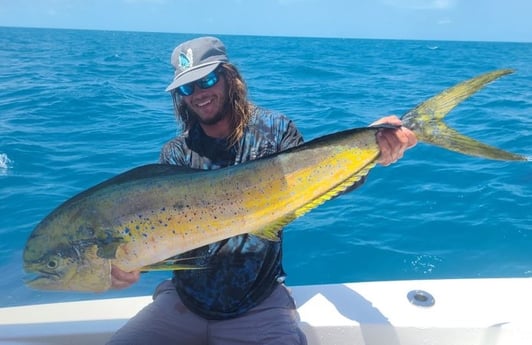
(220, 115)
(211, 121)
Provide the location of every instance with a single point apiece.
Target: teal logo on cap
(186, 60)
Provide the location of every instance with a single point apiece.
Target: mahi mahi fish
(139, 219)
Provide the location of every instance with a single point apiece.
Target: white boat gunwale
(495, 311)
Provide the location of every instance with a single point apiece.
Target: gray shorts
(167, 321)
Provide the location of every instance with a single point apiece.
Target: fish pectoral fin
(172, 265)
(164, 266)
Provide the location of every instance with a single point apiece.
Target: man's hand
(121, 279)
(393, 142)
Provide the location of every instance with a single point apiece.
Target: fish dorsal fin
(147, 171)
(138, 173)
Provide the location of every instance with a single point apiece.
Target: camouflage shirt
(243, 270)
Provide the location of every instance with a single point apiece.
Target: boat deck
(455, 311)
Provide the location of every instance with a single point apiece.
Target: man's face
(208, 104)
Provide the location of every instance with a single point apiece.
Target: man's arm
(393, 142)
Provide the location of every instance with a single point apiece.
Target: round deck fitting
(421, 298)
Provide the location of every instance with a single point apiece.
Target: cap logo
(186, 61)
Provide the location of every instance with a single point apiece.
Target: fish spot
(179, 206)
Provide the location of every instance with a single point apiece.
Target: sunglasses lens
(209, 81)
(206, 82)
(186, 90)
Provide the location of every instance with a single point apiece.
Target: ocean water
(77, 107)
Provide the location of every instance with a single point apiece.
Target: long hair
(237, 107)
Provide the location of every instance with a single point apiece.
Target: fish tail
(426, 120)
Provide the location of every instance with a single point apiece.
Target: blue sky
(470, 20)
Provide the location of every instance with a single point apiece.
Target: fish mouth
(40, 278)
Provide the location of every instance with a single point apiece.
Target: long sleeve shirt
(242, 271)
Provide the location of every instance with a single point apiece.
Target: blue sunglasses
(204, 83)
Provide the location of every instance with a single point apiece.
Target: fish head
(57, 269)
(66, 255)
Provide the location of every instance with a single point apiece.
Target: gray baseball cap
(195, 59)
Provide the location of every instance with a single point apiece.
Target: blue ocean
(78, 107)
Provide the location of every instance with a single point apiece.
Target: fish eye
(52, 264)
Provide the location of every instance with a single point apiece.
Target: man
(240, 298)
